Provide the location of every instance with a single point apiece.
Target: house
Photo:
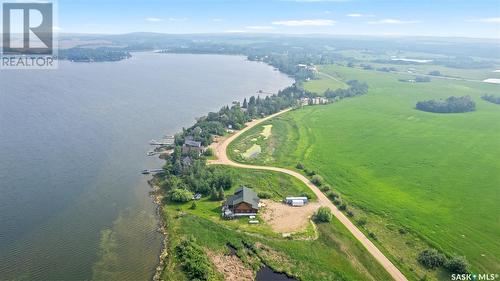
(319, 100)
(304, 101)
(187, 161)
(296, 201)
(191, 145)
(244, 202)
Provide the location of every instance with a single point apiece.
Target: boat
(145, 172)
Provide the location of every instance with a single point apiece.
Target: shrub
(337, 201)
(362, 221)
(180, 195)
(309, 172)
(343, 207)
(431, 258)
(491, 98)
(332, 195)
(317, 180)
(350, 213)
(300, 166)
(193, 260)
(323, 215)
(265, 194)
(208, 152)
(372, 236)
(458, 265)
(193, 206)
(403, 231)
(325, 188)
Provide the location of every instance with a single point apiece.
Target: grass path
(220, 150)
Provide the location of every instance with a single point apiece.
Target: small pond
(267, 274)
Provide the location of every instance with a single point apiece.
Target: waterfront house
(191, 145)
(244, 202)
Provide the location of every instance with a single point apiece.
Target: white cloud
(259, 27)
(316, 22)
(393, 21)
(235, 31)
(154, 19)
(177, 19)
(217, 20)
(358, 15)
(486, 20)
(57, 28)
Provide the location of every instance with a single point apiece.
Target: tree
(323, 215)
(317, 180)
(220, 194)
(209, 152)
(450, 105)
(431, 258)
(343, 206)
(180, 195)
(300, 166)
(491, 98)
(194, 262)
(214, 195)
(325, 188)
(245, 103)
(458, 265)
(332, 195)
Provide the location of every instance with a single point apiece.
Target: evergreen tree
(220, 194)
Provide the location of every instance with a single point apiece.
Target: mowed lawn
(436, 174)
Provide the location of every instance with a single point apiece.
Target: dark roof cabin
(191, 145)
(244, 202)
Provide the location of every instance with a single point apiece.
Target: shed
(295, 201)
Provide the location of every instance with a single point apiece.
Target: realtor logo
(28, 38)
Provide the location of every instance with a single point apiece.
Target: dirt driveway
(287, 219)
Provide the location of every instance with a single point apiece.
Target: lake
(73, 204)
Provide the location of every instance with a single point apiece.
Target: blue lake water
(73, 204)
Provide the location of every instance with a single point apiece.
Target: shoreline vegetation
(101, 54)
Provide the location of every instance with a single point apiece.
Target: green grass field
(437, 175)
(323, 82)
(334, 255)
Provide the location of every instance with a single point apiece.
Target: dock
(152, 171)
(165, 141)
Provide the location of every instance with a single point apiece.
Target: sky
(457, 18)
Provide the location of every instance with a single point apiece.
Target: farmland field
(436, 176)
